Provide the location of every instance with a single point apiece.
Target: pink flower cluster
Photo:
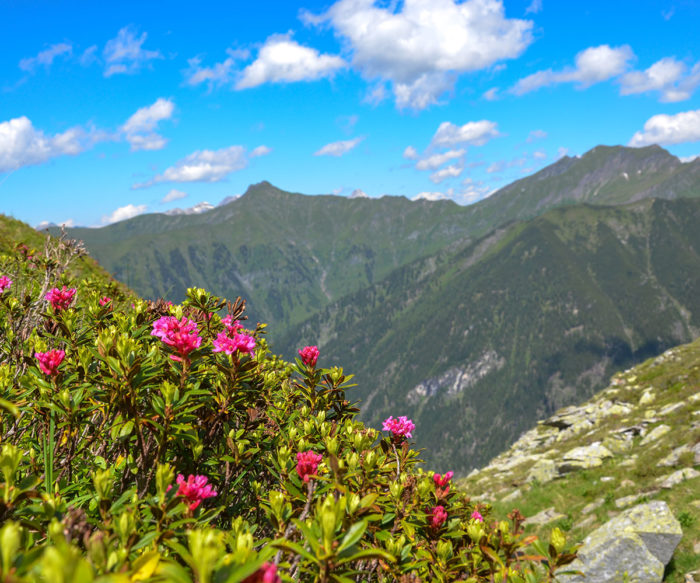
(195, 489)
(438, 516)
(231, 340)
(442, 483)
(476, 515)
(5, 283)
(307, 464)
(60, 299)
(309, 355)
(400, 428)
(50, 361)
(105, 300)
(265, 574)
(180, 334)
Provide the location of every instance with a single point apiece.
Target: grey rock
(587, 456)
(654, 434)
(633, 547)
(545, 516)
(543, 471)
(588, 508)
(677, 477)
(671, 408)
(629, 500)
(673, 458)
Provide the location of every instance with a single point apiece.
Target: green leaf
(353, 535)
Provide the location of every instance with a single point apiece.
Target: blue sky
(111, 110)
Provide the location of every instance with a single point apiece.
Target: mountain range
(475, 320)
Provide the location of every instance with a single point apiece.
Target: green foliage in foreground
(90, 451)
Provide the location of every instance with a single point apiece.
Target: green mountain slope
(648, 420)
(475, 344)
(290, 255)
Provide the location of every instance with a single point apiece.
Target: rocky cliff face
(588, 467)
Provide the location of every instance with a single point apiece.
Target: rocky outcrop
(633, 547)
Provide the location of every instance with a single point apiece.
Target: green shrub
(143, 441)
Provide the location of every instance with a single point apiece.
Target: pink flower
(49, 361)
(180, 334)
(442, 483)
(60, 299)
(438, 516)
(400, 428)
(476, 515)
(265, 574)
(105, 300)
(237, 342)
(195, 489)
(5, 283)
(307, 464)
(232, 326)
(309, 355)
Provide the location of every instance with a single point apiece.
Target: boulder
(587, 456)
(677, 477)
(545, 516)
(655, 433)
(673, 458)
(633, 547)
(543, 471)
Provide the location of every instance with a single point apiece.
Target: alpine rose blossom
(180, 334)
(5, 283)
(232, 326)
(237, 342)
(60, 299)
(400, 428)
(307, 464)
(476, 515)
(438, 516)
(265, 574)
(442, 483)
(105, 300)
(50, 361)
(309, 355)
(195, 489)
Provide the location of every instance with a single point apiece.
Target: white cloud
(260, 151)
(282, 60)
(688, 159)
(539, 155)
(491, 94)
(666, 76)
(124, 53)
(358, 193)
(496, 167)
(593, 65)
(139, 128)
(536, 135)
(561, 152)
(23, 145)
(669, 129)
(452, 171)
(202, 166)
(123, 213)
(476, 133)
(45, 57)
(534, 7)
(375, 95)
(431, 196)
(423, 47)
(89, 56)
(220, 74)
(173, 195)
(338, 148)
(410, 153)
(437, 160)
(46, 224)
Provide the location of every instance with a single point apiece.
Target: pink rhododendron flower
(309, 355)
(400, 428)
(180, 334)
(60, 299)
(195, 489)
(230, 344)
(265, 574)
(5, 283)
(105, 300)
(442, 483)
(438, 516)
(49, 361)
(232, 326)
(307, 464)
(476, 515)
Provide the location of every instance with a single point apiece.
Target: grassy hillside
(476, 344)
(663, 394)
